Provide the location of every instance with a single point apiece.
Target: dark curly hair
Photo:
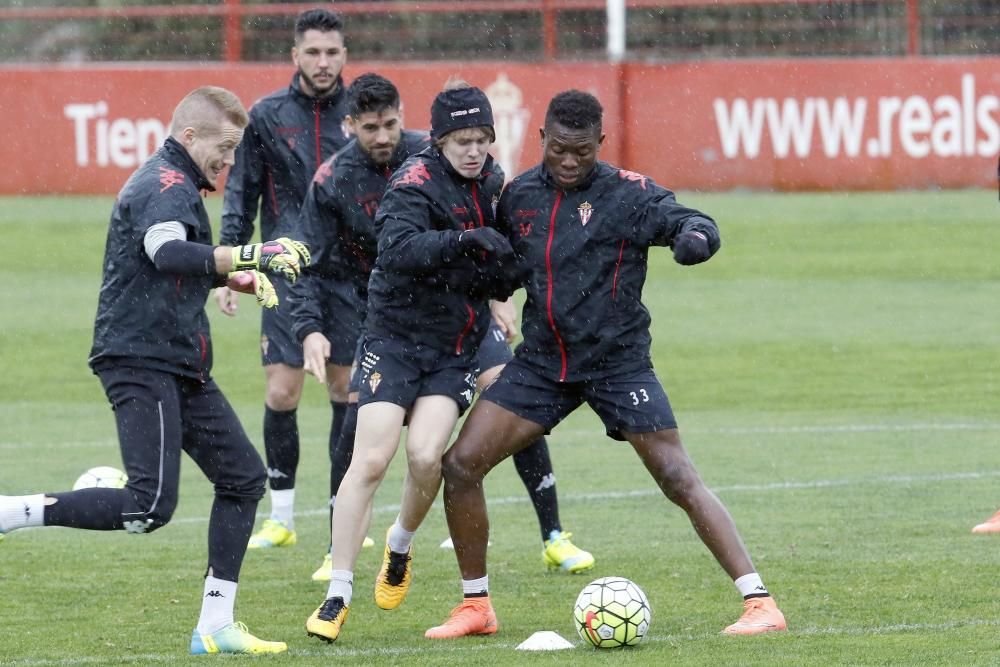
(575, 109)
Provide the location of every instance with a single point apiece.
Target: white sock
(21, 512)
(476, 586)
(399, 539)
(216, 605)
(751, 584)
(341, 585)
(283, 507)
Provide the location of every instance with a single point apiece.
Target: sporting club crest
(585, 210)
(374, 380)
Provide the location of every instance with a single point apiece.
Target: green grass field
(835, 370)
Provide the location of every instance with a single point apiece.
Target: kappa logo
(585, 210)
(214, 594)
(374, 380)
(264, 344)
(416, 174)
(170, 178)
(626, 175)
(274, 473)
(467, 395)
(324, 172)
(137, 527)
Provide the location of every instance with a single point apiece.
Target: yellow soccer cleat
(561, 554)
(273, 533)
(234, 638)
(393, 580)
(759, 615)
(327, 621)
(325, 571)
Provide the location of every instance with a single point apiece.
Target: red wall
(903, 123)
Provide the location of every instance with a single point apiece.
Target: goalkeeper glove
(256, 283)
(484, 239)
(283, 256)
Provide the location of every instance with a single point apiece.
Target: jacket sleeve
(660, 218)
(243, 190)
(407, 241)
(318, 227)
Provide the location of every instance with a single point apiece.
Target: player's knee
(680, 483)
(282, 395)
(148, 513)
(459, 469)
(424, 465)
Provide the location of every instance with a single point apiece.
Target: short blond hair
(206, 108)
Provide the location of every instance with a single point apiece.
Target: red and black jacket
(338, 223)
(289, 136)
(582, 257)
(145, 317)
(422, 290)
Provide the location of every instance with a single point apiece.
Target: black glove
(484, 239)
(691, 248)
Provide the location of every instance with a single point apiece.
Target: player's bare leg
(490, 435)
(432, 420)
(377, 440)
(667, 461)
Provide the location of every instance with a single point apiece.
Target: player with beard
(291, 133)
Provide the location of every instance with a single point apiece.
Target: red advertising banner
(786, 125)
(84, 130)
(878, 124)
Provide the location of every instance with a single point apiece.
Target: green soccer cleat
(561, 554)
(273, 533)
(234, 638)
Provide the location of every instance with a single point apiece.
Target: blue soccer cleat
(234, 638)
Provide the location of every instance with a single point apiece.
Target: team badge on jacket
(585, 210)
(374, 380)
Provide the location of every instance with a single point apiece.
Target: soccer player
(581, 230)
(328, 302)
(152, 352)
(291, 132)
(437, 262)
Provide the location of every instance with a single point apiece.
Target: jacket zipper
(316, 117)
(551, 277)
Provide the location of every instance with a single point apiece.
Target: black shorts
(631, 403)
(399, 372)
(278, 345)
(494, 350)
(343, 318)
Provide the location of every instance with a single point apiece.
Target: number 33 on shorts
(638, 397)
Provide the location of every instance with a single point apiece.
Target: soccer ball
(101, 477)
(612, 612)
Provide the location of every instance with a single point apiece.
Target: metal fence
(47, 31)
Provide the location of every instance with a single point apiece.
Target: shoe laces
(396, 570)
(754, 608)
(331, 608)
(468, 604)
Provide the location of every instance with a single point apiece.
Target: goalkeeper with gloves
(152, 352)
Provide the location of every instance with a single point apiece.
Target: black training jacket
(582, 254)
(289, 136)
(144, 317)
(421, 289)
(337, 222)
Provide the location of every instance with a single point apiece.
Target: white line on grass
(735, 430)
(454, 648)
(641, 493)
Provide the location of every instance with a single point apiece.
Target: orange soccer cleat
(475, 616)
(991, 525)
(759, 615)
